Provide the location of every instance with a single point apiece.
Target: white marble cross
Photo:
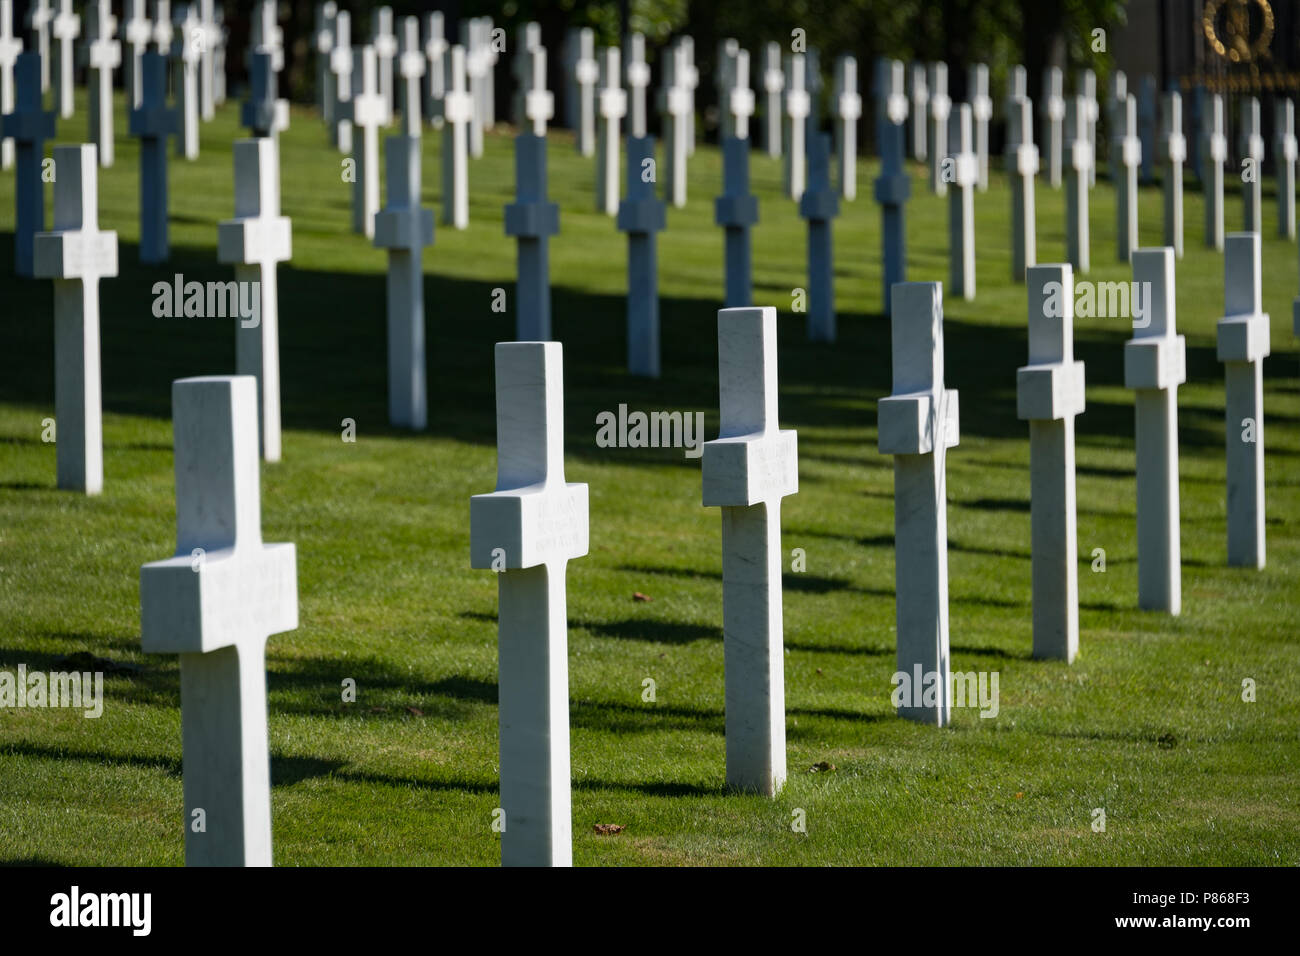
(153, 122)
(527, 36)
(724, 75)
(1049, 394)
(404, 229)
(819, 205)
(65, 27)
(586, 73)
(411, 66)
(939, 109)
(39, 18)
(747, 470)
(1052, 115)
(187, 52)
(1087, 88)
(215, 603)
(688, 76)
(1126, 149)
(29, 127)
(105, 55)
(572, 42)
(1078, 164)
(641, 216)
(961, 204)
(341, 67)
(848, 110)
(1173, 151)
(211, 36)
(675, 111)
(919, 111)
(532, 220)
(1284, 152)
(10, 47)
(1022, 165)
(736, 210)
(1146, 110)
(1243, 343)
(435, 51)
(638, 81)
(218, 39)
(163, 32)
(323, 42)
(76, 255)
(528, 530)
(773, 88)
(798, 105)
(137, 32)
(1155, 364)
(367, 111)
(612, 108)
(981, 108)
(264, 113)
(1216, 154)
(1117, 100)
(490, 55)
(1252, 148)
(920, 96)
(1017, 89)
(917, 424)
(539, 103)
(476, 68)
(740, 103)
(893, 187)
(253, 242)
(384, 42)
(457, 110)
(267, 37)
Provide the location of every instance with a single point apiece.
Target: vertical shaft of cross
(227, 762)
(940, 108)
(641, 216)
(534, 727)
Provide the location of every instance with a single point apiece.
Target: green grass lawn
(1148, 723)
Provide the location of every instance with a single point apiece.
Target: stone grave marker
(215, 603)
(917, 424)
(253, 242)
(528, 530)
(1155, 364)
(77, 254)
(747, 470)
(1049, 394)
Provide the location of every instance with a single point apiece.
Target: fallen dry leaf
(822, 767)
(415, 711)
(609, 829)
(1020, 794)
(638, 596)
